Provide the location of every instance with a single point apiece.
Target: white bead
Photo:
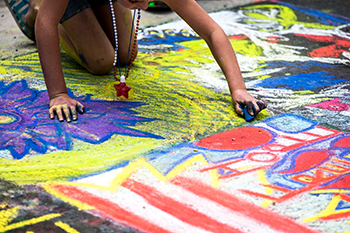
(122, 79)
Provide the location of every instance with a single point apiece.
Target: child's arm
(47, 39)
(221, 49)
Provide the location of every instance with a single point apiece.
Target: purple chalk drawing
(25, 124)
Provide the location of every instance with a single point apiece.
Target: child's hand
(64, 106)
(241, 98)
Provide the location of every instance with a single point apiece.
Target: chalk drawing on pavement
(178, 145)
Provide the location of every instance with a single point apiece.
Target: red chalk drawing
(272, 152)
(237, 139)
(258, 214)
(327, 172)
(299, 140)
(186, 204)
(332, 105)
(239, 37)
(342, 182)
(106, 208)
(262, 157)
(328, 51)
(302, 163)
(339, 45)
(307, 160)
(199, 208)
(345, 215)
(177, 209)
(343, 143)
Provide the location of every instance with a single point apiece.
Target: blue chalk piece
(247, 116)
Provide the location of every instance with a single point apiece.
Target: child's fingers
(66, 112)
(259, 106)
(81, 107)
(262, 104)
(250, 108)
(73, 112)
(59, 113)
(239, 109)
(52, 111)
(59, 110)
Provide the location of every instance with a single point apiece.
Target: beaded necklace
(121, 88)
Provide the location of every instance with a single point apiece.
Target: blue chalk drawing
(290, 123)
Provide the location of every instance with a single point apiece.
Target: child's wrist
(58, 94)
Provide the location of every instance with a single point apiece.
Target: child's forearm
(49, 53)
(214, 36)
(225, 56)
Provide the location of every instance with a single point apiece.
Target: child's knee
(103, 65)
(32, 12)
(100, 65)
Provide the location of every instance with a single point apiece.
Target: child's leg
(32, 12)
(82, 37)
(88, 37)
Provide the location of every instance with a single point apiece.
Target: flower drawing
(25, 124)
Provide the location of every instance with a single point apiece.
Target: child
(78, 24)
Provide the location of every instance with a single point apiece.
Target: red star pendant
(122, 90)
